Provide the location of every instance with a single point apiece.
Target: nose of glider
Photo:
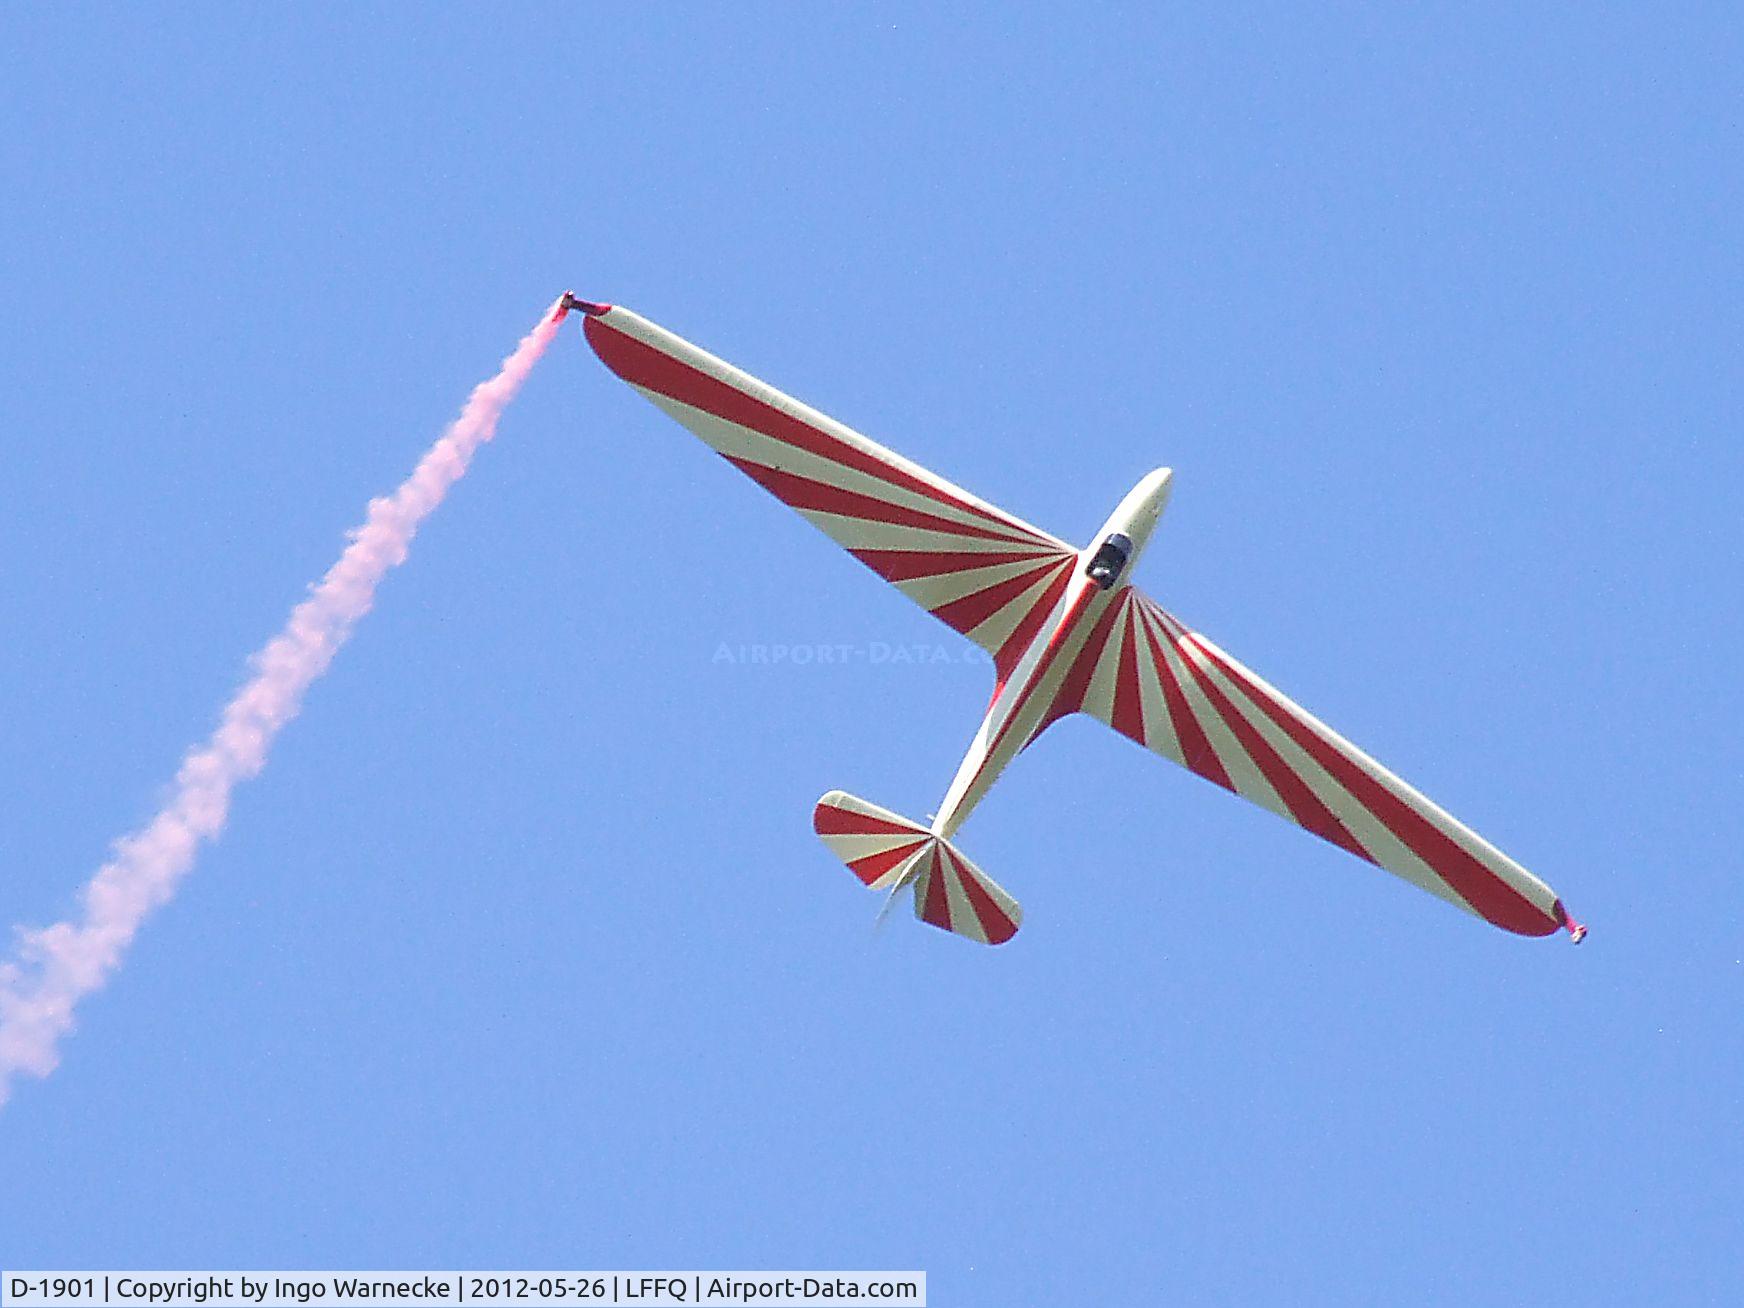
(1151, 497)
(1158, 485)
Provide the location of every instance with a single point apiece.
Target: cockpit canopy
(1110, 560)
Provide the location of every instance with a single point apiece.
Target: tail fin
(888, 852)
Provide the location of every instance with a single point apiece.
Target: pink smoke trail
(59, 965)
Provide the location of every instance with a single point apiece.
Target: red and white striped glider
(1068, 633)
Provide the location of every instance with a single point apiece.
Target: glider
(1068, 633)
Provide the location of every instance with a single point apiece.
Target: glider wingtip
(591, 308)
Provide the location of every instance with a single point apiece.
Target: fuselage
(1020, 704)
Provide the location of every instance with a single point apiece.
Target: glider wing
(987, 574)
(1151, 678)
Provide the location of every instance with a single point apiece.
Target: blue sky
(521, 953)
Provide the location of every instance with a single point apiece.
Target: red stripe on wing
(1195, 744)
(973, 609)
(1305, 806)
(1475, 883)
(644, 365)
(913, 565)
(1128, 702)
(821, 497)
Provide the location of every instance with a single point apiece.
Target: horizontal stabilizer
(887, 852)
